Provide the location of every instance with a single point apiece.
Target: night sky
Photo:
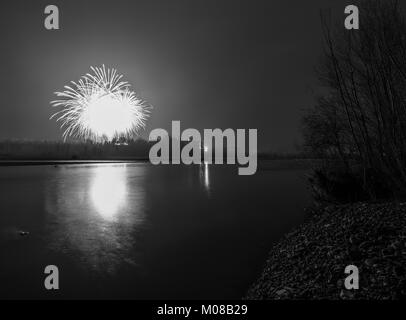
(209, 64)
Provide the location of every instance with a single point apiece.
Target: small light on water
(206, 176)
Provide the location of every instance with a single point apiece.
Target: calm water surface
(142, 231)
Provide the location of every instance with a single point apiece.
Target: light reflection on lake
(142, 231)
(96, 213)
(108, 191)
(205, 176)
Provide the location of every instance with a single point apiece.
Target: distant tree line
(120, 149)
(48, 150)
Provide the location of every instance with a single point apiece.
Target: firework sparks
(100, 107)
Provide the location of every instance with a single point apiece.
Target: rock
(281, 292)
(364, 245)
(369, 262)
(346, 295)
(399, 271)
(355, 253)
(387, 252)
(312, 259)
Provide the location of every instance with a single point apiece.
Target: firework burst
(100, 107)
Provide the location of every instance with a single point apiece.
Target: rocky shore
(309, 262)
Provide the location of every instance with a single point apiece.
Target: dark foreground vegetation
(359, 127)
(360, 117)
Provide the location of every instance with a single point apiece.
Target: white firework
(100, 107)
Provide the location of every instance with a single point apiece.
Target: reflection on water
(205, 176)
(108, 191)
(94, 213)
(142, 231)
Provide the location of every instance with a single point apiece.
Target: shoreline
(309, 262)
(263, 164)
(11, 163)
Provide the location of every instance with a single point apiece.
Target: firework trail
(100, 107)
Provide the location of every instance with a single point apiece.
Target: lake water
(141, 231)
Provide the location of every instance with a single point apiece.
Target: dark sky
(225, 64)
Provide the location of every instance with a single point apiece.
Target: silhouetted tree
(362, 114)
